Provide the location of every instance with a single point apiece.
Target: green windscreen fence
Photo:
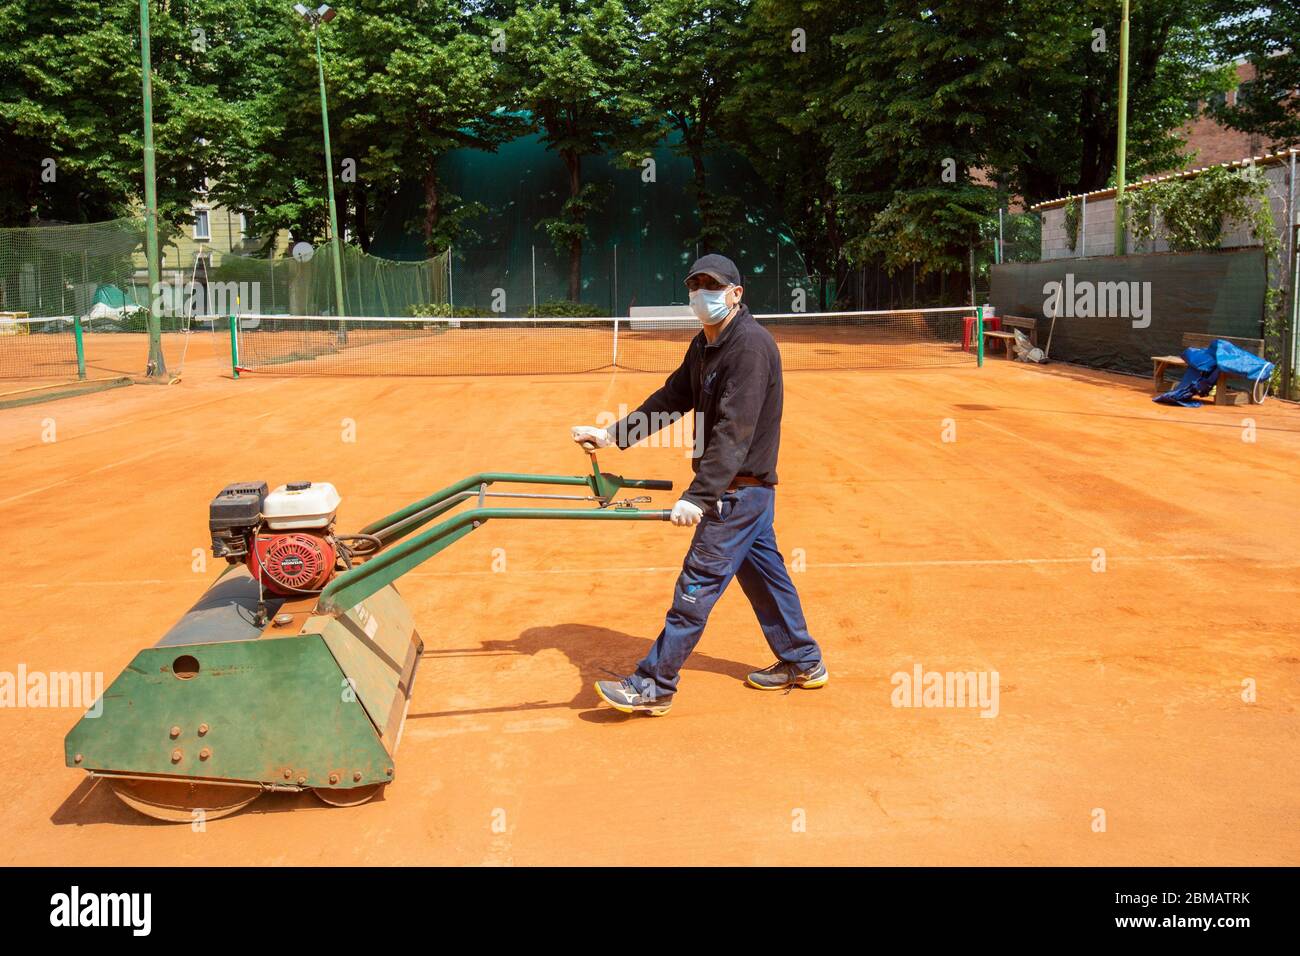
(56, 280)
(1117, 311)
(60, 280)
(642, 231)
(283, 285)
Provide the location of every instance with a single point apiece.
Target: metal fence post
(234, 344)
(81, 347)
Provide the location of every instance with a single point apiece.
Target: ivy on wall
(1072, 218)
(1193, 213)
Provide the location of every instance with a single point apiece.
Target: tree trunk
(431, 210)
(574, 164)
(360, 199)
(707, 232)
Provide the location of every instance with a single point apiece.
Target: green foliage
(414, 82)
(1073, 218)
(556, 309)
(689, 56)
(851, 133)
(1192, 213)
(782, 115)
(1268, 36)
(572, 68)
(70, 92)
(571, 225)
(441, 310)
(564, 309)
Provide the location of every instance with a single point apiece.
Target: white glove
(685, 514)
(590, 435)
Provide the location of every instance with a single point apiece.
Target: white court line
(113, 464)
(144, 418)
(656, 569)
(836, 565)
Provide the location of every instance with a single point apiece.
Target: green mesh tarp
(65, 274)
(1216, 293)
(56, 270)
(285, 286)
(95, 273)
(640, 242)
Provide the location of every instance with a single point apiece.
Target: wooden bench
(1199, 340)
(1027, 325)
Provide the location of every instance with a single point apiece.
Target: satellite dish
(303, 251)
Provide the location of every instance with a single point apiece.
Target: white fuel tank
(301, 504)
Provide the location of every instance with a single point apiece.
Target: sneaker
(623, 696)
(782, 675)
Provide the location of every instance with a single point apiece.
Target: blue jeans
(739, 544)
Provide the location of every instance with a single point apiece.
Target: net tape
(322, 345)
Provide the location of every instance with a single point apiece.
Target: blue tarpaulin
(1204, 367)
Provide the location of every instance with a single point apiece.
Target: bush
(564, 309)
(440, 310)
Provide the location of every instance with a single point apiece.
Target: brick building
(1209, 142)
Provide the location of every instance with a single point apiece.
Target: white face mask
(710, 305)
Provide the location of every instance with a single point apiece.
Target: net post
(234, 344)
(81, 347)
(614, 360)
(979, 336)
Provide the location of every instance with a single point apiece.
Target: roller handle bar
(649, 484)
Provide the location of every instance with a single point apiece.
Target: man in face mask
(731, 378)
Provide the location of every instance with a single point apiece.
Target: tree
(572, 66)
(70, 94)
(781, 116)
(422, 80)
(270, 163)
(690, 53)
(1066, 85)
(1269, 38)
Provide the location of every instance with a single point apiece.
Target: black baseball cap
(720, 267)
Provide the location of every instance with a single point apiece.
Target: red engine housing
(290, 563)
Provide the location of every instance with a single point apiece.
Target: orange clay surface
(1121, 691)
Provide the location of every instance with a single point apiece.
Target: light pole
(1121, 147)
(157, 367)
(324, 14)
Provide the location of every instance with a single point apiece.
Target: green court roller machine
(294, 669)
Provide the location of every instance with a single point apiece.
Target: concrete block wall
(1097, 231)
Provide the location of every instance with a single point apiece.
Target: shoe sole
(813, 684)
(628, 709)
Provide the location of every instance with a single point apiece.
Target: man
(731, 377)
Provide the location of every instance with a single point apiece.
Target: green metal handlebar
(602, 485)
(352, 587)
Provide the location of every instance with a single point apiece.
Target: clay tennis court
(1120, 690)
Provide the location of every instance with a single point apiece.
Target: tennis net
(324, 345)
(37, 348)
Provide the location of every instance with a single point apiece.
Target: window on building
(201, 227)
(1245, 91)
(245, 225)
(1218, 100)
